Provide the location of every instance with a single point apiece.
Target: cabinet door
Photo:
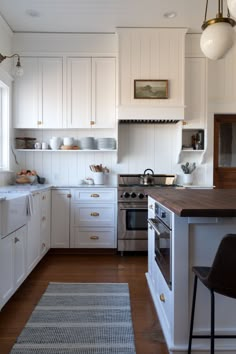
(50, 97)
(33, 234)
(104, 92)
(60, 231)
(195, 92)
(6, 269)
(38, 94)
(45, 221)
(19, 241)
(25, 95)
(79, 92)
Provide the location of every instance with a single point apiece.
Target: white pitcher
(55, 143)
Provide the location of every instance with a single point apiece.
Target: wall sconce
(19, 70)
(232, 7)
(218, 34)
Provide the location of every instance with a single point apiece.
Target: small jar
(38, 145)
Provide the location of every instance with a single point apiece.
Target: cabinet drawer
(94, 195)
(96, 215)
(163, 294)
(91, 238)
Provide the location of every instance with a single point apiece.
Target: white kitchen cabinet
(195, 93)
(12, 263)
(91, 92)
(60, 223)
(38, 94)
(33, 232)
(45, 226)
(93, 218)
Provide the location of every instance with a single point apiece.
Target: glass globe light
(217, 39)
(232, 7)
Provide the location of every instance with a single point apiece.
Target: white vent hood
(151, 54)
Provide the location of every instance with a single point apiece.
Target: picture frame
(151, 89)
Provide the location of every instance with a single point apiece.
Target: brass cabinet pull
(162, 298)
(39, 122)
(44, 197)
(92, 122)
(94, 214)
(94, 237)
(95, 195)
(68, 195)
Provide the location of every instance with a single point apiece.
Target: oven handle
(130, 208)
(152, 223)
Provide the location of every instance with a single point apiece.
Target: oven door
(163, 253)
(132, 226)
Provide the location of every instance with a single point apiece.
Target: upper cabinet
(195, 84)
(151, 54)
(195, 92)
(38, 94)
(91, 92)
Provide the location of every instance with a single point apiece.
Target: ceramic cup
(68, 141)
(38, 145)
(44, 146)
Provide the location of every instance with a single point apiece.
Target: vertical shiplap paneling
(154, 55)
(164, 149)
(125, 63)
(135, 69)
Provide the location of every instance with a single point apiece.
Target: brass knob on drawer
(94, 195)
(94, 238)
(162, 298)
(68, 195)
(94, 214)
(39, 122)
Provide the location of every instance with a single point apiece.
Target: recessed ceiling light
(170, 14)
(32, 13)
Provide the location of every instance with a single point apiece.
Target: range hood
(154, 115)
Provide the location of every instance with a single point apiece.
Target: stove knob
(163, 214)
(126, 195)
(133, 195)
(141, 195)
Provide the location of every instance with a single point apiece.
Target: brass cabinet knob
(43, 218)
(94, 237)
(39, 122)
(162, 298)
(94, 195)
(94, 214)
(68, 195)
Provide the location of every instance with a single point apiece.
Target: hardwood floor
(86, 268)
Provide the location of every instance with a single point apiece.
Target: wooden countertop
(197, 202)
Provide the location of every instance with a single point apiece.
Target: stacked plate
(87, 143)
(106, 143)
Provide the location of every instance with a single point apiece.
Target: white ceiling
(102, 15)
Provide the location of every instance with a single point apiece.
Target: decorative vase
(187, 178)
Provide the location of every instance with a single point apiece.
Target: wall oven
(162, 229)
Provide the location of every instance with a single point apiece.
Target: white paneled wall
(141, 146)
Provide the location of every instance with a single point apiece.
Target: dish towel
(29, 205)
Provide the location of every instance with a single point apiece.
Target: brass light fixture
(218, 34)
(19, 70)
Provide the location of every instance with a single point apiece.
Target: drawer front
(94, 195)
(97, 215)
(91, 238)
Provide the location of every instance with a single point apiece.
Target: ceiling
(102, 15)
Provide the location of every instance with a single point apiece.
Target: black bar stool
(219, 278)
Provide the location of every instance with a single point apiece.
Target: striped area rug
(87, 318)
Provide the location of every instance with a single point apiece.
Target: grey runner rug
(85, 318)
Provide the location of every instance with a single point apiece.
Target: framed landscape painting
(157, 89)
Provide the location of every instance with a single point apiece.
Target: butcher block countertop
(197, 202)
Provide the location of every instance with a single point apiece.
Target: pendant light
(232, 7)
(218, 34)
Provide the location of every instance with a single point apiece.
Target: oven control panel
(163, 214)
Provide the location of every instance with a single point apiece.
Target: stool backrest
(222, 277)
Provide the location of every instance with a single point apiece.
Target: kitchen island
(198, 221)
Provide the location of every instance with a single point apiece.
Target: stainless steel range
(133, 208)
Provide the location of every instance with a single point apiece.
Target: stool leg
(212, 322)
(192, 315)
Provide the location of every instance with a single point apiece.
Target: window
(4, 127)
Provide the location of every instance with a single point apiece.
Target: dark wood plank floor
(86, 268)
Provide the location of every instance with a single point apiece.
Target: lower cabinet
(45, 227)
(60, 229)
(12, 263)
(33, 232)
(93, 218)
